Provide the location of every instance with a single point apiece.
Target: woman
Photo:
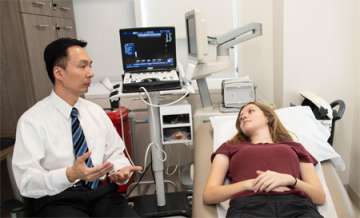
(270, 174)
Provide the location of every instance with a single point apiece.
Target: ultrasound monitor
(196, 35)
(149, 48)
(149, 59)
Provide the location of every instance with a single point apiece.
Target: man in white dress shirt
(56, 178)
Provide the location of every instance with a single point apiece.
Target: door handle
(65, 8)
(68, 27)
(42, 26)
(38, 4)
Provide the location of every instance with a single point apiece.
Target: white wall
(317, 55)
(98, 23)
(354, 179)
(219, 17)
(256, 56)
(278, 8)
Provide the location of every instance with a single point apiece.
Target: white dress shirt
(44, 148)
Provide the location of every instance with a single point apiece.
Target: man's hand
(80, 171)
(124, 174)
(272, 181)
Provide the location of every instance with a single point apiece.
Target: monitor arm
(234, 37)
(223, 44)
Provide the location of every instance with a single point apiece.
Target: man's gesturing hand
(124, 174)
(80, 171)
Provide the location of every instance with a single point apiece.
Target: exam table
(202, 151)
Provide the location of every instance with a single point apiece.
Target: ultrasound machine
(149, 59)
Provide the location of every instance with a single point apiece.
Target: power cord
(147, 149)
(139, 180)
(172, 172)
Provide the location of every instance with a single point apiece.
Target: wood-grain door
(39, 32)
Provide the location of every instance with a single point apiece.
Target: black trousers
(105, 201)
(290, 206)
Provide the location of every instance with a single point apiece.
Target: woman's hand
(281, 189)
(249, 184)
(272, 181)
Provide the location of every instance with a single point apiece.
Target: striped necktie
(80, 145)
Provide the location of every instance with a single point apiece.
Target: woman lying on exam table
(270, 175)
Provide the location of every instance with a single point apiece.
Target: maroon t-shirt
(246, 158)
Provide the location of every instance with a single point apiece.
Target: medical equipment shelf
(176, 124)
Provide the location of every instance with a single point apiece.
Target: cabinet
(27, 26)
(176, 124)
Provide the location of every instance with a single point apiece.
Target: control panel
(150, 76)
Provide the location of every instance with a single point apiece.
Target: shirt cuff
(59, 179)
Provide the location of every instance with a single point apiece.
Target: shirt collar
(61, 105)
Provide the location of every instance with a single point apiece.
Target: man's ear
(58, 73)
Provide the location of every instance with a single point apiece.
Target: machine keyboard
(158, 76)
(152, 81)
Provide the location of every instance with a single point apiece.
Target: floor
(357, 210)
(356, 206)
(355, 199)
(175, 202)
(6, 191)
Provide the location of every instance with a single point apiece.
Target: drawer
(62, 8)
(42, 7)
(64, 27)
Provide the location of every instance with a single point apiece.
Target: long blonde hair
(277, 130)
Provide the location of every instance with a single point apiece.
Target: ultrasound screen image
(148, 48)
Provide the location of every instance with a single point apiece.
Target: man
(68, 156)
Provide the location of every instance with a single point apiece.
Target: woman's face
(252, 119)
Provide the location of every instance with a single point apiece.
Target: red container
(116, 116)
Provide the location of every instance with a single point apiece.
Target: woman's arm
(310, 183)
(215, 190)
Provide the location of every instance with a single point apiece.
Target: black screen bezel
(172, 29)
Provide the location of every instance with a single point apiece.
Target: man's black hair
(55, 54)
